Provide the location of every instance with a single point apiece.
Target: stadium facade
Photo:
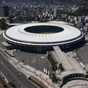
(42, 36)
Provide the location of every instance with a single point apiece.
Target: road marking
(13, 75)
(43, 57)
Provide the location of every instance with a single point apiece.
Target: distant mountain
(82, 10)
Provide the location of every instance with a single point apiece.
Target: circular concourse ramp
(42, 34)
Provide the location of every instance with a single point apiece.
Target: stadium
(42, 36)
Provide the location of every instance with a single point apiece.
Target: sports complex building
(42, 36)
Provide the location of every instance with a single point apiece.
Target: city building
(56, 12)
(3, 10)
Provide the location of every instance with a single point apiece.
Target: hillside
(79, 2)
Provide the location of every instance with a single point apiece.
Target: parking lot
(83, 53)
(1, 38)
(36, 60)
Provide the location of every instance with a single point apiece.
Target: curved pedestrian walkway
(79, 86)
(73, 76)
(76, 84)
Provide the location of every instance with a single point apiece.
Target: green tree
(3, 24)
(11, 19)
(53, 77)
(61, 67)
(12, 85)
(52, 62)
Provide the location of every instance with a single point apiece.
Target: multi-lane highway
(12, 74)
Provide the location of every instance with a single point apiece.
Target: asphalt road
(12, 74)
